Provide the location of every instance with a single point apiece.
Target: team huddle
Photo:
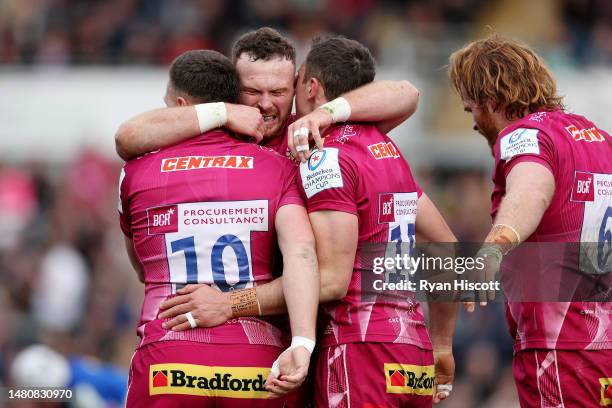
(250, 226)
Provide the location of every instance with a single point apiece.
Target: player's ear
(493, 105)
(314, 88)
(180, 101)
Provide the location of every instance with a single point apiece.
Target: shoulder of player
(520, 139)
(348, 134)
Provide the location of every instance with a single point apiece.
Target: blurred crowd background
(65, 280)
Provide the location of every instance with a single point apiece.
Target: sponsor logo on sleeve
(538, 116)
(206, 162)
(386, 208)
(395, 207)
(162, 220)
(587, 135)
(583, 189)
(409, 379)
(606, 392)
(348, 131)
(384, 151)
(521, 141)
(209, 381)
(321, 171)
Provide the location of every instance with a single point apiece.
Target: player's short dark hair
(205, 76)
(340, 64)
(263, 44)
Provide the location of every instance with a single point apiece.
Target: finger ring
(191, 320)
(301, 148)
(303, 131)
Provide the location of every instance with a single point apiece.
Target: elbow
(123, 134)
(332, 291)
(411, 96)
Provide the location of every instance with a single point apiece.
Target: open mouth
(269, 118)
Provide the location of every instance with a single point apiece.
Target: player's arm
(300, 273)
(129, 247)
(529, 190)
(530, 187)
(157, 128)
(431, 227)
(387, 103)
(336, 235)
(211, 307)
(301, 292)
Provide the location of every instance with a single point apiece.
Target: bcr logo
(161, 220)
(582, 190)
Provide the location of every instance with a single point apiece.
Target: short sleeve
(291, 193)
(525, 145)
(328, 181)
(123, 205)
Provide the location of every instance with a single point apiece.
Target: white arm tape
(211, 115)
(305, 342)
(339, 109)
(296, 341)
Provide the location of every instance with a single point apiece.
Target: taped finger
(303, 131)
(444, 389)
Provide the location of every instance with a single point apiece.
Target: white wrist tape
(296, 341)
(211, 115)
(339, 109)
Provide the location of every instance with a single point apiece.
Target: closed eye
(250, 91)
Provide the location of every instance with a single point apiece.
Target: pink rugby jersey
(579, 155)
(203, 211)
(360, 171)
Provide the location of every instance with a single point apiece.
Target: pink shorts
(374, 375)
(191, 374)
(563, 378)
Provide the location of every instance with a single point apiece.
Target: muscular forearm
(442, 318)
(271, 298)
(155, 129)
(388, 103)
(523, 210)
(301, 289)
(529, 191)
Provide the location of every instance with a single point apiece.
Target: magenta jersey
(579, 155)
(203, 211)
(360, 171)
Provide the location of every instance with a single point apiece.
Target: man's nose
(265, 102)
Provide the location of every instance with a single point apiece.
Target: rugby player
(184, 224)
(376, 350)
(552, 183)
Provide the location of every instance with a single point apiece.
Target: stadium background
(72, 70)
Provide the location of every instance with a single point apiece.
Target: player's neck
(500, 122)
